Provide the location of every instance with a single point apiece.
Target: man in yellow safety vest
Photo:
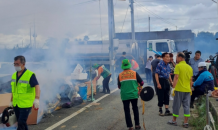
(25, 92)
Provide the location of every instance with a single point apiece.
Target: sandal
(138, 127)
(172, 123)
(185, 125)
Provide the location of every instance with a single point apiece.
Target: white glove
(36, 103)
(11, 104)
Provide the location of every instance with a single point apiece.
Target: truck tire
(214, 73)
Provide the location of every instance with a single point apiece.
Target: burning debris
(62, 93)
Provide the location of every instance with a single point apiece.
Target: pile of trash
(69, 91)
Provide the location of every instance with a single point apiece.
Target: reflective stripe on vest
(23, 93)
(127, 75)
(135, 65)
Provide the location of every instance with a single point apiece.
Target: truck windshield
(173, 46)
(162, 47)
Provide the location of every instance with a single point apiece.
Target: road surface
(108, 115)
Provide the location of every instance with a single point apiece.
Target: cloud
(74, 19)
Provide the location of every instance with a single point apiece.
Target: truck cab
(160, 46)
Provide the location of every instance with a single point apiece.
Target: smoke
(206, 42)
(51, 67)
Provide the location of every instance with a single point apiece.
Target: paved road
(108, 115)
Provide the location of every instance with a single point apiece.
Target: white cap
(202, 64)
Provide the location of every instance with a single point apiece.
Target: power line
(125, 18)
(156, 15)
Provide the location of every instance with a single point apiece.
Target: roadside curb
(214, 106)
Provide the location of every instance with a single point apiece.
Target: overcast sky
(76, 18)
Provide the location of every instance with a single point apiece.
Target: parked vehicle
(98, 51)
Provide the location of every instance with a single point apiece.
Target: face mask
(17, 68)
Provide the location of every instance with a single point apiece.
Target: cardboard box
(89, 87)
(5, 100)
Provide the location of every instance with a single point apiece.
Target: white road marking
(77, 112)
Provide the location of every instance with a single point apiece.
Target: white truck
(98, 51)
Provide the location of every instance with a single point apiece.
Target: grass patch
(198, 123)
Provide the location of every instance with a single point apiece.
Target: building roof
(178, 34)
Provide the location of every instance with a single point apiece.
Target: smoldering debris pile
(57, 93)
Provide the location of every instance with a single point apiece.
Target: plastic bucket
(83, 92)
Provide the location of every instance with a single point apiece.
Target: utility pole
(132, 20)
(111, 36)
(34, 35)
(30, 37)
(149, 23)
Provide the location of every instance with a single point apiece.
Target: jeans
(135, 109)
(22, 115)
(106, 84)
(148, 75)
(164, 92)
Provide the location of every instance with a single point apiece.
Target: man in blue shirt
(204, 79)
(162, 76)
(194, 63)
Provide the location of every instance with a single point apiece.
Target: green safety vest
(105, 72)
(23, 93)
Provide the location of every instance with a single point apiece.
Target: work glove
(11, 104)
(36, 104)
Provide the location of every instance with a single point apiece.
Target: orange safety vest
(127, 75)
(136, 65)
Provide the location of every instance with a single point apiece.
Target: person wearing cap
(204, 78)
(148, 69)
(106, 74)
(154, 64)
(128, 81)
(182, 83)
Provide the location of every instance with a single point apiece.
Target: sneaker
(161, 113)
(168, 113)
(185, 125)
(137, 127)
(172, 123)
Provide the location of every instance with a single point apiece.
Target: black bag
(8, 117)
(77, 100)
(68, 105)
